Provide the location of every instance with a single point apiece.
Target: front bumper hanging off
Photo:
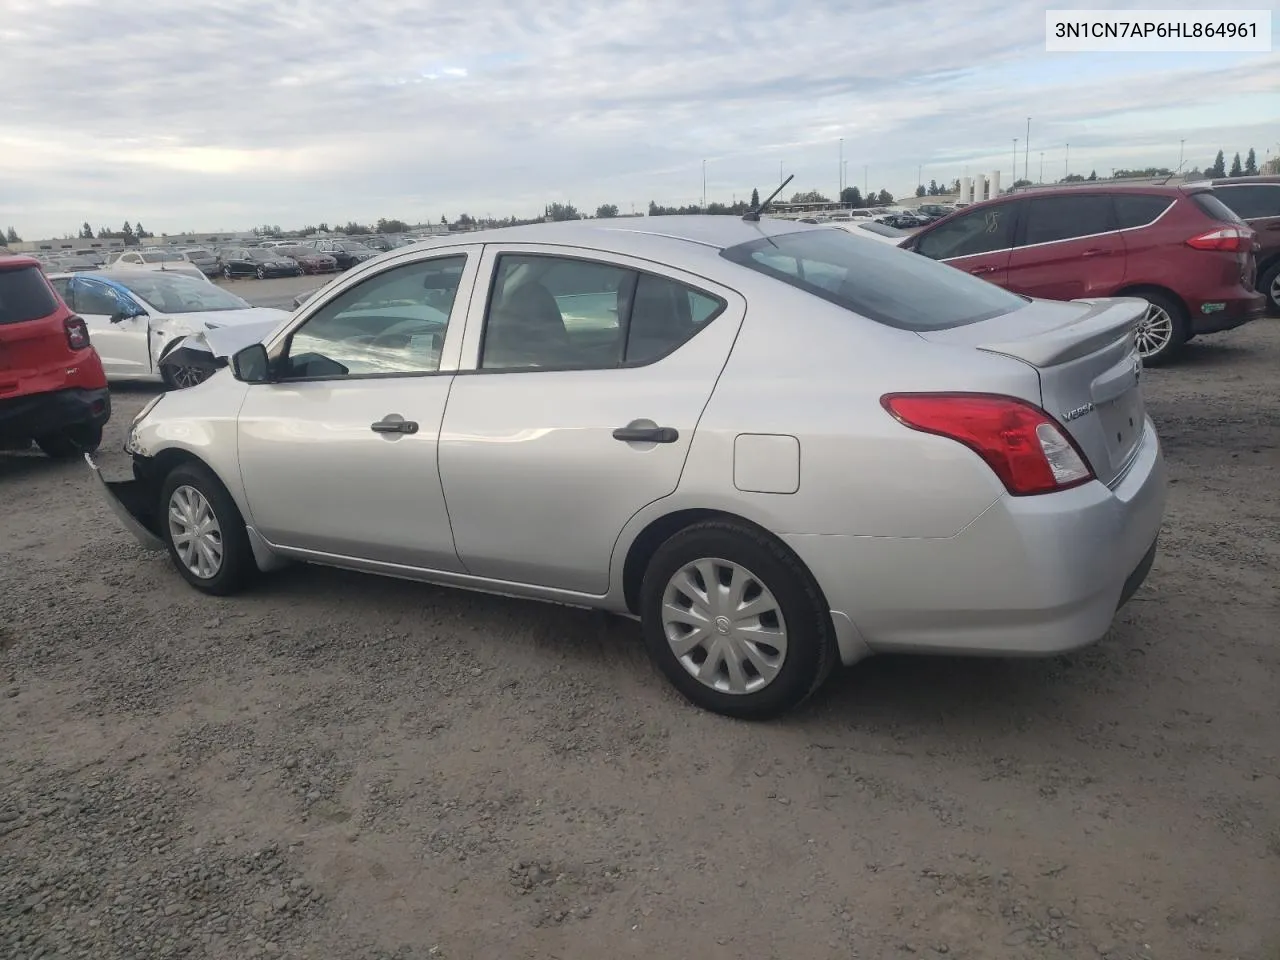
(128, 500)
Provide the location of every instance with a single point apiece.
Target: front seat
(526, 329)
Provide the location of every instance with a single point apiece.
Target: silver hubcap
(1155, 331)
(195, 532)
(186, 376)
(724, 626)
(1275, 289)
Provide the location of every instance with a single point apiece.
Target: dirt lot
(342, 766)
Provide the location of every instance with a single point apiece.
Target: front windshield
(267, 254)
(351, 246)
(179, 294)
(160, 256)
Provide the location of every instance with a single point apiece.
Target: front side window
(95, 298)
(393, 323)
(554, 313)
(1051, 219)
(1251, 201)
(875, 280)
(982, 231)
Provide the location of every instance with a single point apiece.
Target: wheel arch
(661, 529)
(1136, 289)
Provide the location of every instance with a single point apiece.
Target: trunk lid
(1088, 364)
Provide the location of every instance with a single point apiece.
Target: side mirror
(251, 364)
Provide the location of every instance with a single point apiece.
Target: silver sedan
(779, 447)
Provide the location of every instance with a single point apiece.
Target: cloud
(225, 113)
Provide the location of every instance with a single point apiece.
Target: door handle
(394, 423)
(980, 270)
(1102, 252)
(647, 434)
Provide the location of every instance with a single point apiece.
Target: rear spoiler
(1105, 322)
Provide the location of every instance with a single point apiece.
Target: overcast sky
(221, 114)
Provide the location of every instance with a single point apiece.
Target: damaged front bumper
(129, 500)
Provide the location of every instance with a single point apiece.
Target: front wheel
(735, 621)
(204, 531)
(1163, 330)
(182, 376)
(226, 272)
(71, 442)
(262, 274)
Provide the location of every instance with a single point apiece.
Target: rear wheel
(226, 272)
(1163, 330)
(71, 442)
(735, 621)
(204, 531)
(1269, 285)
(262, 274)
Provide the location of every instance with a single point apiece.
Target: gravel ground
(336, 765)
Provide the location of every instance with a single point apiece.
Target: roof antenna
(753, 215)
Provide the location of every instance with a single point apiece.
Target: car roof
(15, 261)
(643, 237)
(1228, 181)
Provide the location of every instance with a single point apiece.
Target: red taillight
(1226, 239)
(1026, 448)
(77, 333)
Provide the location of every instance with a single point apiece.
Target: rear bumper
(38, 414)
(1227, 313)
(1032, 576)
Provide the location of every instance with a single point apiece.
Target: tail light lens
(1226, 239)
(77, 333)
(1023, 445)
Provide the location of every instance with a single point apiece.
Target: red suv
(1179, 248)
(52, 388)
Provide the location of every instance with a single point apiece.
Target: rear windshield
(1215, 208)
(25, 295)
(878, 281)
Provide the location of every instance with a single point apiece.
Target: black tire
(237, 565)
(72, 442)
(1269, 287)
(1181, 327)
(811, 647)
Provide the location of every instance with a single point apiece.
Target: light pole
(846, 171)
(1066, 163)
(1013, 179)
(1026, 156)
(840, 171)
(919, 175)
(1041, 166)
(704, 186)
(1181, 144)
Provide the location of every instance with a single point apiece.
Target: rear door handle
(980, 270)
(1095, 253)
(647, 434)
(394, 423)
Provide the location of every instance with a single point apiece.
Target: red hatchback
(52, 388)
(1179, 248)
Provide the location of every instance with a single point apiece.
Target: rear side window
(1050, 219)
(1251, 201)
(25, 295)
(880, 282)
(982, 231)
(1215, 208)
(1138, 210)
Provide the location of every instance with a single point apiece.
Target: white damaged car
(157, 326)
